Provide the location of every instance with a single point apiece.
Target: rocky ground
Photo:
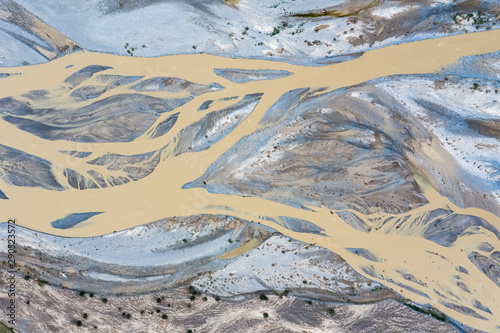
(44, 308)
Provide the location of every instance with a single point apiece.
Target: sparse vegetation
(276, 30)
(299, 29)
(130, 49)
(475, 86)
(478, 19)
(436, 315)
(193, 291)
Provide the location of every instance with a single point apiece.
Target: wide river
(160, 194)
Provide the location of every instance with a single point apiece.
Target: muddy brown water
(159, 195)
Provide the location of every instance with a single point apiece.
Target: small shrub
(78, 323)
(85, 316)
(330, 311)
(263, 297)
(193, 291)
(82, 293)
(266, 315)
(164, 316)
(104, 300)
(276, 30)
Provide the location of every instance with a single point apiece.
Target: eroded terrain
(390, 164)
